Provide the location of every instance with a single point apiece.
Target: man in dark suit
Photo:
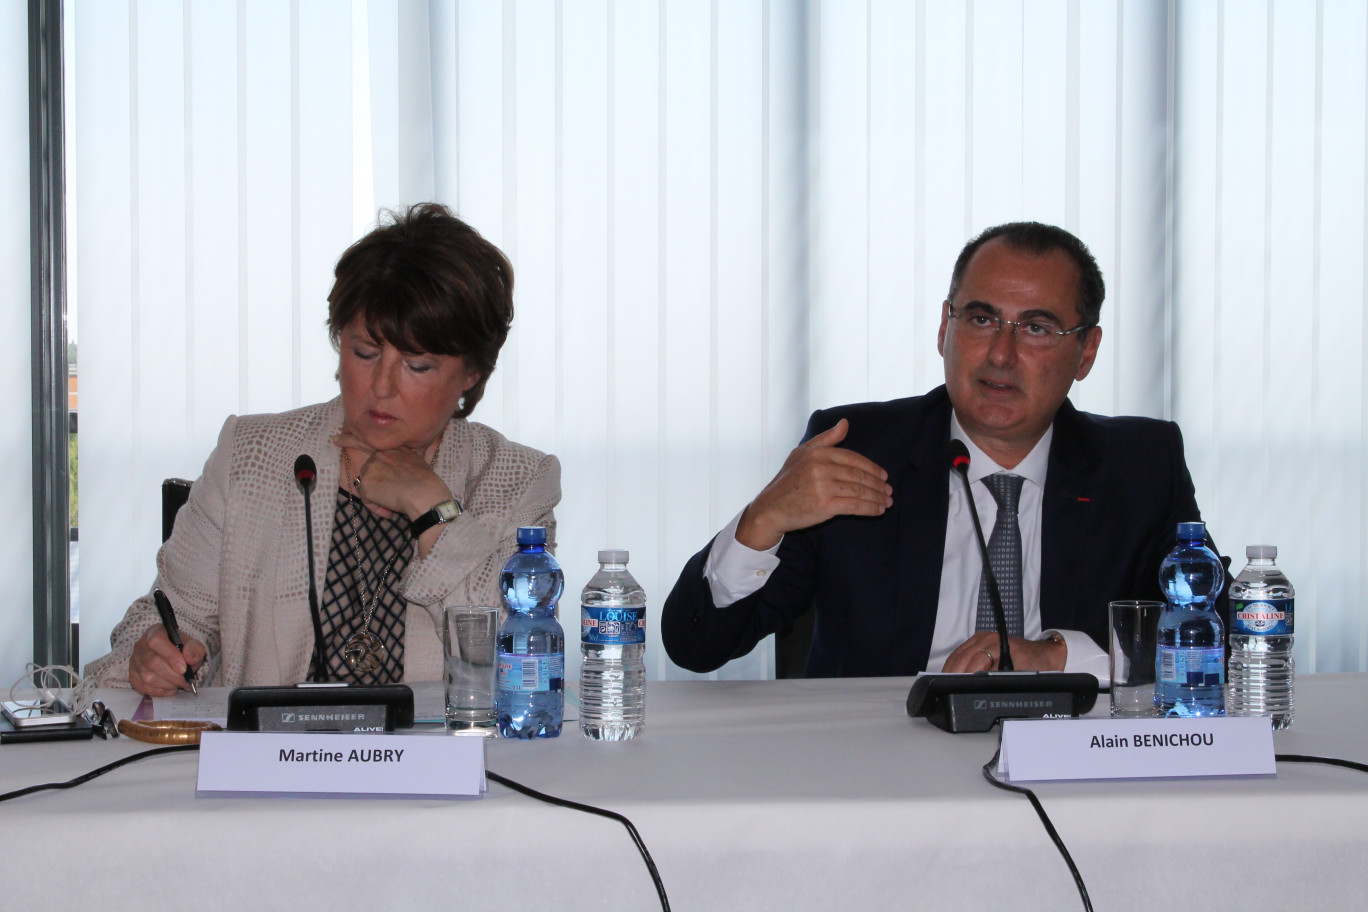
(867, 525)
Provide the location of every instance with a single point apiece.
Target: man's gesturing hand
(819, 480)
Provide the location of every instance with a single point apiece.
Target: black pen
(173, 631)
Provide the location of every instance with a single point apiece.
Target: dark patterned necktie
(1004, 555)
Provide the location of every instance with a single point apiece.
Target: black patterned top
(343, 603)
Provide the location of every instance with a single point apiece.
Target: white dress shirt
(734, 571)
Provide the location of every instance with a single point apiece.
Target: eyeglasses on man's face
(1038, 332)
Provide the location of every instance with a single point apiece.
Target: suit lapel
(1068, 513)
(922, 499)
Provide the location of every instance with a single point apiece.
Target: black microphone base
(976, 702)
(321, 708)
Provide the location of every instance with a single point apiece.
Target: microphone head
(305, 471)
(958, 455)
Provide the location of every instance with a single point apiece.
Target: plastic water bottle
(531, 699)
(613, 646)
(1261, 671)
(1189, 667)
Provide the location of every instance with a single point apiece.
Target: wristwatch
(444, 512)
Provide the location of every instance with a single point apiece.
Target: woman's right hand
(157, 668)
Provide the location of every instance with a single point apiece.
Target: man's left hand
(980, 653)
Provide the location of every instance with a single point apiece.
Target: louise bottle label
(615, 626)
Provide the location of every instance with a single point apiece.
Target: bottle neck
(531, 549)
(611, 567)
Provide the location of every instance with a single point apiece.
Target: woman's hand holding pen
(157, 668)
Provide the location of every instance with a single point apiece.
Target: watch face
(448, 511)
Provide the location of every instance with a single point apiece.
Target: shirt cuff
(1084, 655)
(734, 571)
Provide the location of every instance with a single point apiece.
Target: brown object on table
(167, 732)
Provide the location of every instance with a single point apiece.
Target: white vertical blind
(1268, 309)
(212, 165)
(723, 215)
(16, 330)
(622, 154)
(935, 121)
(619, 153)
(100, 157)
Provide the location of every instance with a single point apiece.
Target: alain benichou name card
(1037, 750)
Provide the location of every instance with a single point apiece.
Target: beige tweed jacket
(236, 569)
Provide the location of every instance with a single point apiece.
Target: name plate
(1037, 750)
(267, 764)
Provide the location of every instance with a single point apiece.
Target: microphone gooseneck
(958, 457)
(306, 475)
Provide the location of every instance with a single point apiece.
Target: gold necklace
(363, 650)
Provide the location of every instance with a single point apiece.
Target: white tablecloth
(750, 795)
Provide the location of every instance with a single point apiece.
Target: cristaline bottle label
(1270, 617)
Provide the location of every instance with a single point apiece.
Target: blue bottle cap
(536, 535)
(1190, 531)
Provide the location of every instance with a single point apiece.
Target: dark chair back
(175, 492)
(791, 647)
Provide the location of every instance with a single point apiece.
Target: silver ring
(989, 655)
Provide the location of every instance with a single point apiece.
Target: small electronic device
(32, 714)
(321, 708)
(26, 720)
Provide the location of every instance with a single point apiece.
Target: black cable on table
(1331, 761)
(1049, 827)
(590, 809)
(79, 780)
(515, 786)
(1059, 843)
(632, 830)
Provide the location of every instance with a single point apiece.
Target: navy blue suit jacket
(1115, 490)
